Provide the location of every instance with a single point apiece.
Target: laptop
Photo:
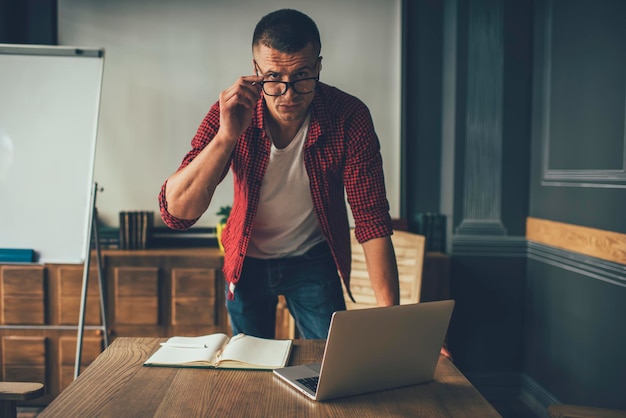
(374, 349)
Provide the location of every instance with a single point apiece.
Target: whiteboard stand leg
(92, 232)
(103, 313)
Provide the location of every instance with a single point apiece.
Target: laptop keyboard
(310, 382)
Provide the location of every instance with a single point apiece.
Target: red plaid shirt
(341, 150)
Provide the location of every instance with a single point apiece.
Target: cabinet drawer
(24, 359)
(22, 295)
(69, 294)
(193, 297)
(136, 293)
(136, 311)
(193, 283)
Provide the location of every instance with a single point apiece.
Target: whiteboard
(49, 104)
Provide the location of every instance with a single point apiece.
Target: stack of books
(135, 230)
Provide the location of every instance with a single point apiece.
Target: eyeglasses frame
(287, 84)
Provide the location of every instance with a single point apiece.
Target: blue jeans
(310, 284)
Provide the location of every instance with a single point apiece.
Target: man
(293, 144)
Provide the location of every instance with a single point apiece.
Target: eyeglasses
(278, 88)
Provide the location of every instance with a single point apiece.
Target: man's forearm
(189, 191)
(383, 270)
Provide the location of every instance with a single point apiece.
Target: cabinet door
(193, 297)
(24, 359)
(136, 294)
(91, 348)
(22, 295)
(69, 293)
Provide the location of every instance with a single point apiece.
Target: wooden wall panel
(606, 245)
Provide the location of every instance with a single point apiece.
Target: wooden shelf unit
(149, 293)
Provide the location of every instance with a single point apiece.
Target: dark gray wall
(574, 333)
(539, 130)
(579, 149)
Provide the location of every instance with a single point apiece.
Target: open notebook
(219, 352)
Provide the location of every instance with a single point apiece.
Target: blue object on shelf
(16, 255)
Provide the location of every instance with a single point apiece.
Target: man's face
(272, 65)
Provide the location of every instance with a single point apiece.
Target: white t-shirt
(285, 223)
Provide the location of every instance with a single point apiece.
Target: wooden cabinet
(147, 293)
(165, 292)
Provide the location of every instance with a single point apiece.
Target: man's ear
(319, 64)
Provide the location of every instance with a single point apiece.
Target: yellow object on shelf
(218, 233)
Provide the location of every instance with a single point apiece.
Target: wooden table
(117, 385)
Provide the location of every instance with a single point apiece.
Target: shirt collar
(317, 112)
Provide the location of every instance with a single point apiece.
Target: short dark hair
(287, 30)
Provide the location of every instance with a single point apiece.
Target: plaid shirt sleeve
(347, 158)
(205, 133)
(364, 179)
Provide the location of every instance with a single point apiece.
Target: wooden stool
(12, 392)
